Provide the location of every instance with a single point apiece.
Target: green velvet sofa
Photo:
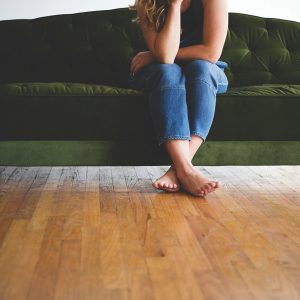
(64, 98)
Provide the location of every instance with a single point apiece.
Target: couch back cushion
(97, 47)
(262, 50)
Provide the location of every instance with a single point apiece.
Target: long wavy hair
(155, 12)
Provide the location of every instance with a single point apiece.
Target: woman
(182, 74)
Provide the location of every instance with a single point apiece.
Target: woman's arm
(165, 44)
(215, 28)
(214, 35)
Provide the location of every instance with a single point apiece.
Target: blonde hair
(154, 12)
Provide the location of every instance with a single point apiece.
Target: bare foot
(196, 183)
(168, 182)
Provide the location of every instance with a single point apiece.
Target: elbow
(213, 60)
(165, 59)
(214, 56)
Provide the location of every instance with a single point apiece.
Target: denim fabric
(182, 96)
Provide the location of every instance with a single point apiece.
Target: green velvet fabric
(83, 112)
(64, 96)
(97, 47)
(63, 89)
(89, 153)
(86, 89)
(262, 50)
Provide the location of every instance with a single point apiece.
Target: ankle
(184, 169)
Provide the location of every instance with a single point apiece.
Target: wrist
(175, 5)
(153, 57)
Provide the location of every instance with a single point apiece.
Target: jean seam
(199, 134)
(166, 88)
(171, 87)
(222, 85)
(199, 79)
(171, 136)
(181, 137)
(215, 90)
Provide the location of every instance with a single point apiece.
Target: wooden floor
(106, 233)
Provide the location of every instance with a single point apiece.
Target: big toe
(217, 184)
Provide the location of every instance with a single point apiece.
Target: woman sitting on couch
(182, 72)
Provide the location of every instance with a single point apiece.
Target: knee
(166, 75)
(201, 69)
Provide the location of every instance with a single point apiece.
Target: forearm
(198, 51)
(167, 41)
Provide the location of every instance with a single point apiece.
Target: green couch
(64, 98)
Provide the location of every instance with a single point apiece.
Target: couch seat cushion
(62, 89)
(80, 89)
(66, 111)
(265, 90)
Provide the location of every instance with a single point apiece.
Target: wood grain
(106, 233)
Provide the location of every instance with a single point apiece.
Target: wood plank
(29, 202)
(107, 233)
(46, 270)
(90, 283)
(91, 203)
(68, 276)
(20, 185)
(29, 245)
(132, 248)
(73, 211)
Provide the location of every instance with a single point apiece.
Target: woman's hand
(141, 59)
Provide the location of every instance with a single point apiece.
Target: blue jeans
(182, 96)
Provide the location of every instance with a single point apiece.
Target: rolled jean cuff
(203, 136)
(173, 137)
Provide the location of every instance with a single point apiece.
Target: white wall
(17, 9)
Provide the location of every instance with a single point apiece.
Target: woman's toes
(211, 186)
(217, 183)
(202, 191)
(165, 185)
(207, 186)
(158, 184)
(171, 186)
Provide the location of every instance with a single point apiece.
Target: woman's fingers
(136, 66)
(138, 62)
(133, 66)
